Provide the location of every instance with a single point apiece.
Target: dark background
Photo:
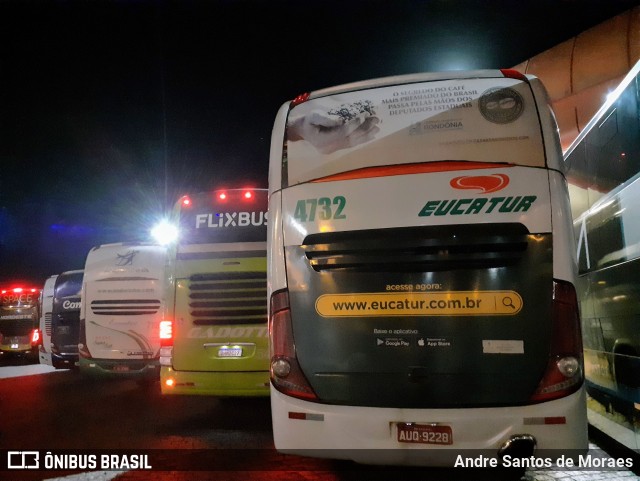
(111, 110)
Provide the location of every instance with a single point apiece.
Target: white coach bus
(421, 271)
(123, 304)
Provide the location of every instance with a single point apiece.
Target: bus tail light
(513, 73)
(286, 374)
(564, 373)
(166, 342)
(166, 333)
(36, 337)
(300, 99)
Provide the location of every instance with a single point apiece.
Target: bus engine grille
(228, 298)
(418, 249)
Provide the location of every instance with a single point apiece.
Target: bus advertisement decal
(447, 303)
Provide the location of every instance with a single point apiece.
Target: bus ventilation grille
(418, 249)
(125, 307)
(228, 298)
(47, 323)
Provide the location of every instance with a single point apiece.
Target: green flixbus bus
(215, 341)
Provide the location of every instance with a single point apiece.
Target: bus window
(215, 338)
(421, 270)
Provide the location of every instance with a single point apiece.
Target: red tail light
(286, 374)
(512, 73)
(36, 337)
(565, 373)
(166, 333)
(299, 99)
(186, 201)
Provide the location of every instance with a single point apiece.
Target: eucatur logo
(484, 184)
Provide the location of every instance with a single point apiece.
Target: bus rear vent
(228, 298)
(418, 249)
(125, 307)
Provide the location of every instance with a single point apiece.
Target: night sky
(109, 111)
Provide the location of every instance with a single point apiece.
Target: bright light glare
(164, 233)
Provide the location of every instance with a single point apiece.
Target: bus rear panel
(122, 309)
(19, 314)
(219, 341)
(421, 275)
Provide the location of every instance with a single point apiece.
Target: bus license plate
(120, 368)
(424, 433)
(230, 352)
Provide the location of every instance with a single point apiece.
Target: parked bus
(604, 175)
(215, 340)
(421, 271)
(19, 333)
(123, 295)
(65, 319)
(45, 304)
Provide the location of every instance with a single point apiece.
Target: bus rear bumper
(19, 351)
(140, 370)
(234, 384)
(370, 435)
(64, 361)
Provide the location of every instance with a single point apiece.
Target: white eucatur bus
(421, 270)
(123, 305)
